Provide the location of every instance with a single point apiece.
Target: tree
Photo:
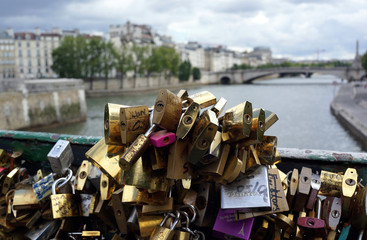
(184, 71)
(107, 60)
(155, 62)
(64, 58)
(196, 74)
(95, 50)
(139, 59)
(170, 62)
(123, 60)
(364, 61)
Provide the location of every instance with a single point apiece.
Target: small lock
(304, 187)
(133, 122)
(25, 198)
(100, 157)
(136, 149)
(162, 233)
(204, 99)
(349, 186)
(331, 184)
(158, 157)
(184, 233)
(9, 179)
(106, 187)
(60, 157)
(293, 187)
(257, 128)
(112, 132)
(270, 119)
(313, 226)
(178, 166)
(214, 150)
(4, 158)
(359, 213)
(82, 174)
(237, 122)
(167, 110)
(315, 187)
(63, 205)
(332, 212)
(188, 120)
(119, 212)
(217, 168)
(162, 138)
(266, 150)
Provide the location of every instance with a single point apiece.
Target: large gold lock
(237, 122)
(99, 155)
(257, 128)
(134, 121)
(63, 205)
(188, 120)
(167, 110)
(112, 131)
(204, 99)
(162, 233)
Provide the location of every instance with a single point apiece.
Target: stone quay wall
(26, 104)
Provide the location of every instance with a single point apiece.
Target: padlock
(112, 132)
(304, 186)
(95, 235)
(231, 171)
(4, 158)
(332, 211)
(313, 226)
(252, 160)
(60, 157)
(136, 149)
(162, 233)
(204, 99)
(82, 174)
(25, 198)
(285, 223)
(36, 216)
(183, 94)
(118, 210)
(214, 150)
(158, 157)
(133, 122)
(226, 225)
(349, 186)
(94, 177)
(359, 214)
(252, 191)
(142, 176)
(106, 187)
(237, 122)
(266, 150)
(43, 187)
(270, 119)
(108, 164)
(217, 168)
(331, 184)
(147, 224)
(291, 231)
(201, 136)
(63, 205)
(178, 166)
(183, 233)
(188, 120)
(204, 204)
(315, 187)
(167, 206)
(283, 180)
(162, 138)
(132, 221)
(293, 187)
(105, 213)
(133, 195)
(219, 106)
(257, 128)
(167, 110)
(44, 230)
(263, 230)
(9, 179)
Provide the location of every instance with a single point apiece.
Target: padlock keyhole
(311, 222)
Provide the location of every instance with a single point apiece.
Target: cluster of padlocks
(179, 171)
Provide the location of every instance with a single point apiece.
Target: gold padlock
(202, 135)
(217, 168)
(112, 134)
(204, 99)
(349, 186)
(178, 167)
(158, 157)
(106, 187)
(183, 94)
(63, 205)
(134, 121)
(237, 122)
(167, 110)
(4, 158)
(266, 150)
(187, 121)
(147, 224)
(118, 210)
(270, 119)
(162, 233)
(101, 158)
(257, 128)
(82, 174)
(331, 184)
(142, 176)
(9, 180)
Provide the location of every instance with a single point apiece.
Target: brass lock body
(266, 150)
(112, 132)
(237, 122)
(133, 122)
(204, 99)
(257, 128)
(167, 110)
(188, 120)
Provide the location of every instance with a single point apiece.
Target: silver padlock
(60, 157)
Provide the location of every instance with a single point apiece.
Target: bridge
(250, 75)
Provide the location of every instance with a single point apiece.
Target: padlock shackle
(194, 212)
(68, 177)
(55, 184)
(152, 128)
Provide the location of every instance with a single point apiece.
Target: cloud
(293, 28)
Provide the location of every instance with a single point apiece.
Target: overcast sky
(291, 28)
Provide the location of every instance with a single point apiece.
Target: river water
(302, 105)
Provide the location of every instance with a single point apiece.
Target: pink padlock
(162, 138)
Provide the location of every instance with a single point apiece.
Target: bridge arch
(225, 80)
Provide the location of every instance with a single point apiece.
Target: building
(7, 55)
(259, 56)
(193, 52)
(140, 34)
(34, 53)
(221, 59)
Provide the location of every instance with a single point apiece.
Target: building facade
(7, 55)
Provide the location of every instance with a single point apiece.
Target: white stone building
(7, 55)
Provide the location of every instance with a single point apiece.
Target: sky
(295, 29)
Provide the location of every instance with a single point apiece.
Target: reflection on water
(302, 105)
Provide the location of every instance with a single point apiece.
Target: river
(302, 105)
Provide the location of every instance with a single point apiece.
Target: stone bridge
(249, 75)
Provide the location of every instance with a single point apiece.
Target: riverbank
(349, 106)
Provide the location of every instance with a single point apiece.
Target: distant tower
(357, 63)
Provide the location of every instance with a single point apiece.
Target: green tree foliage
(108, 60)
(123, 61)
(184, 71)
(64, 59)
(364, 61)
(139, 60)
(196, 74)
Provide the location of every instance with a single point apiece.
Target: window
(47, 70)
(20, 53)
(21, 70)
(28, 44)
(39, 62)
(38, 53)
(28, 53)
(20, 63)
(29, 70)
(29, 63)
(19, 44)
(46, 63)
(37, 44)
